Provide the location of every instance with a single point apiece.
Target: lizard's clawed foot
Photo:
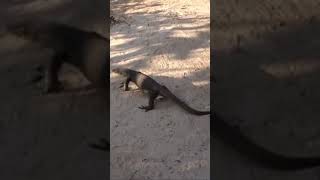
(146, 108)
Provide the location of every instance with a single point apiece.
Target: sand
(170, 41)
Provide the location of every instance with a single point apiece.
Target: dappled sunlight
(185, 31)
(122, 37)
(158, 32)
(201, 83)
(168, 40)
(125, 63)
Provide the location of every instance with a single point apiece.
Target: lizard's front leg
(150, 106)
(125, 84)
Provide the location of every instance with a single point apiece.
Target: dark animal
(153, 89)
(87, 51)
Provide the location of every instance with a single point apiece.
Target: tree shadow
(165, 38)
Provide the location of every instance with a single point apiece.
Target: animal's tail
(234, 137)
(166, 92)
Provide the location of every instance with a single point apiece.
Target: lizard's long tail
(234, 137)
(167, 93)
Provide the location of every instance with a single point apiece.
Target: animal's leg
(52, 83)
(152, 97)
(125, 84)
(161, 97)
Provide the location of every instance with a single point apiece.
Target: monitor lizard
(153, 88)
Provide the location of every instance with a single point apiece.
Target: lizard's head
(121, 71)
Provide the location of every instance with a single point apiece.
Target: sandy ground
(45, 137)
(170, 41)
(266, 63)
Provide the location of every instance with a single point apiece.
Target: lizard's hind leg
(162, 97)
(152, 97)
